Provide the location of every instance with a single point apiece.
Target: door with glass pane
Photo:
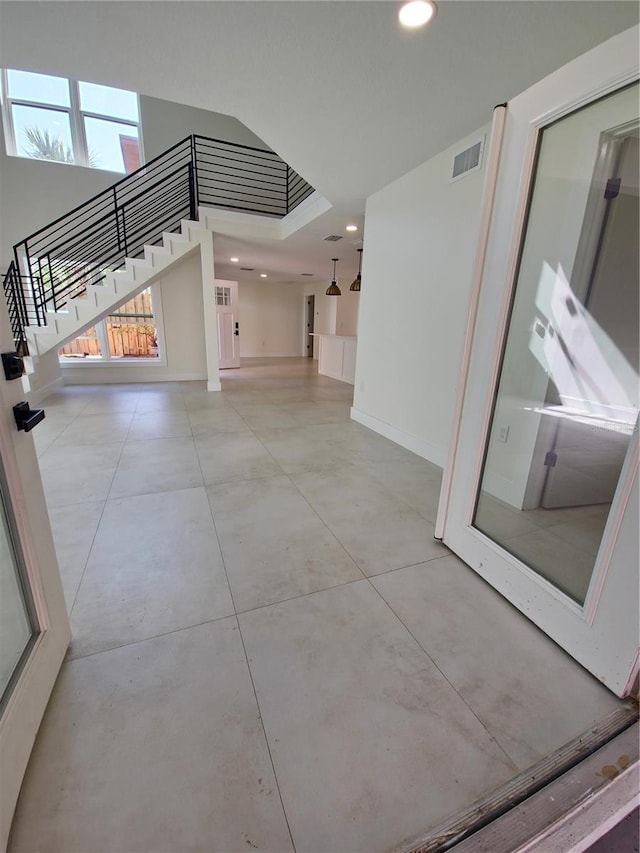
(228, 324)
(34, 627)
(544, 500)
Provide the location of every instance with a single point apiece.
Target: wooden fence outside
(128, 336)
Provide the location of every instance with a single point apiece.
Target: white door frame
(584, 632)
(23, 712)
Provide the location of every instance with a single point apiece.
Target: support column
(209, 307)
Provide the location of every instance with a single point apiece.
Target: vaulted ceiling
(336, 87)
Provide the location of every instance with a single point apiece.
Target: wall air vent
(332, 238)
(469, 160)
(248, 269)
(306, 273)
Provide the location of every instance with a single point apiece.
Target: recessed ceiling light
(416, 13)
(234, 260)
(263, 275)
(352, 227)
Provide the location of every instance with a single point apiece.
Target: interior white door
(571, 571)
(34, 627)
(228, 324)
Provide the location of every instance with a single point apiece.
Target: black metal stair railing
(23, 296)
(58, 262)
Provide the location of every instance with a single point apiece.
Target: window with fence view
(128, 333)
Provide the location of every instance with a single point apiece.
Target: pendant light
(358, 279)
(333, 289)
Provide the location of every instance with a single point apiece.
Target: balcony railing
(57, 262)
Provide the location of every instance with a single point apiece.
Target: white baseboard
(214, 386)
(296, 354)
(34, 396)
(431, 452)
(80, 377)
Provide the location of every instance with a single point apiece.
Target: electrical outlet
(503, 433)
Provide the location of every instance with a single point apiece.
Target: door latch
(27, 418)
(237, 329)
(13, 365)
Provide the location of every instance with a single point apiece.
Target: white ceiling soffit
(338, 89)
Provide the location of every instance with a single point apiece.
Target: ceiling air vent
(469, 160)
(332, 238)
(248, 269)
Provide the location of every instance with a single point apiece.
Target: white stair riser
(117, 287)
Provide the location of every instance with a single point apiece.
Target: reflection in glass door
(17, 624)
(567, 402)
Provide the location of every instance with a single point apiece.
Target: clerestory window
(67, 121)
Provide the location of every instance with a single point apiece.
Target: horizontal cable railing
(58, 262)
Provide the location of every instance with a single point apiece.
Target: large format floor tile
(378, 529)
(212, 420)
(74, 528)
(303, 449)
(49, 430)
(159, 423)
(97, 428)
(369, 741)
(263, 565)
(155, 566)
(156, 465)
(390, 701)
(417, 483)
(153, 748)
(112, 400)
(528, 692)
(75, 475)
(226, 458)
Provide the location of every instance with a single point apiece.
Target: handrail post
(52, 286)
(194, 198)
(20, 289)
(124, 233)
(115, 211)
(192, 193)
(287, 180)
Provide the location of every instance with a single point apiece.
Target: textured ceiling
(337, 88)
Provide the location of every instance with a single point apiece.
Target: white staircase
(117, 287)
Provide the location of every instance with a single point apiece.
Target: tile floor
(270, 650)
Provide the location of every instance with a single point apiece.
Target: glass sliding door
(17, 618)
(567, 400)
(544, 497)
(34, 626)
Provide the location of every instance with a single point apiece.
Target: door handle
(13, 365)
(27, 418)
(237, 330)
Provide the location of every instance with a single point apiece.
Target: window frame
(76, 116)
(106, 359)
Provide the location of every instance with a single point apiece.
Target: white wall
(271, 319)
(181, 334)
(347, 307)
(35, 192)
(164, 123)
(419, 250)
